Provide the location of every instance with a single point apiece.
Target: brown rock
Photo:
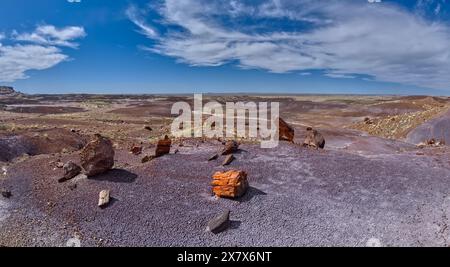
(286, 132)
(97, 156)
(230, 184)
(228, 160)
(136, 150)
(70, 171)
(163, 147)
(103, 198)
(367, 120)
(147, 159)
(230, 147)
(314, 139)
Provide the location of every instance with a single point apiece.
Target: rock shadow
(111, 202)
(234, 224)
(116, 176)
(251, 192)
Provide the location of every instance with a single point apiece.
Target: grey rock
(219, 223)
(71, 170)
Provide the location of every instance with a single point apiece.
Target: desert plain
(383, 178)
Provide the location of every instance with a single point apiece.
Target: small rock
(216, 156)
(219, 223)
(147, 159)
(6, 193)
(176, 151)
(103, 199)
(59, 165)
(148, 128)
(70, 171)
(314, 139)
(230, 147)
(72, 186)
(163, 147)
(367, 120)
(136, 150)
(228, 160)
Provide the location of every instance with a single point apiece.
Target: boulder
(219, 223)
(230, 147)
(97, 156)
(103, 198)
(286, 132)
(70, 171)
(314, 139)
(230, 184)
(163, 147)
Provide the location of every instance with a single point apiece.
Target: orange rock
(286, 132)
(230, 184)
(163, 147)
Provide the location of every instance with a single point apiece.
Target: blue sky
(185, 46)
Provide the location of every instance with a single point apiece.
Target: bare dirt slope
(438, 128)
(297, 197)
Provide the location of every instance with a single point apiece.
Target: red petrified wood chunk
(163, 147)
(230, 184)
(286, 132)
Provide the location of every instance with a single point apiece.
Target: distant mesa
(8, 91)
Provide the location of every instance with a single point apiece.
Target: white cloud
(342, 38)
(38, 50)
(16, 60)
(50, 35)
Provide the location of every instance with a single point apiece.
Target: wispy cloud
(38, 50)
(341, 38)
(50, 35)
